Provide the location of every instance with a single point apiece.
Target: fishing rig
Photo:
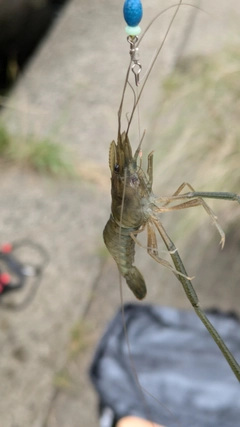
(133, 12)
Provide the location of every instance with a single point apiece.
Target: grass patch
(48, 157)
(63, 380)
(4, 141)
(44, 156)
(81, 338)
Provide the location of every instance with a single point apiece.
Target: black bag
(176, 361)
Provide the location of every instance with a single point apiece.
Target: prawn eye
(116, 168)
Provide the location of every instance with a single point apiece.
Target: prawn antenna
(132, 12)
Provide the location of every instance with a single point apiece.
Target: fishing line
(135, 62)
(177, 6)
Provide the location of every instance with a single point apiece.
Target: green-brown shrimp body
(131, 190)
(134, 208)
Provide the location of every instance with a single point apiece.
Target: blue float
(132, 12)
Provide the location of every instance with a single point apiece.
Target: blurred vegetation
(63, 380)
(198, 129)
(82, 335)
(207, 90)
(43, 156)
(4, 141)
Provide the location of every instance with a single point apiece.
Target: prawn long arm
(204, 194)
(193, 298)
(134, 207)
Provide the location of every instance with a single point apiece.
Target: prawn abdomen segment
(122, 248)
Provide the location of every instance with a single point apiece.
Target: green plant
(4, 141)
(44, 156)
(47, 156)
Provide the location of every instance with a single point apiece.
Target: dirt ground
(70, 93)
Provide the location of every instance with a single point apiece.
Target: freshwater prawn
(136, 208)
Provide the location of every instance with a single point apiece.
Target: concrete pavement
(70, 93)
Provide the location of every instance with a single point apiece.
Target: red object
(6, 248)
(5, 279)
